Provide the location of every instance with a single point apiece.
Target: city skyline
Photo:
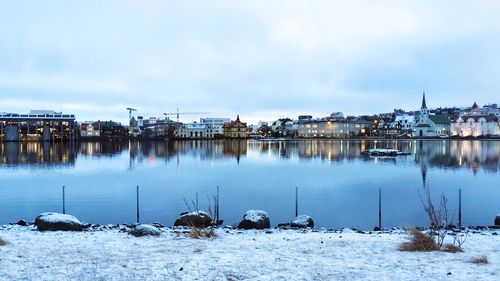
(261, 60)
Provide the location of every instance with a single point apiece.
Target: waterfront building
(405, 122)
(103, 129)
(217, 125)
(476, 122)
(427, 125)
(89, 129)
(333, 129)
(235, 129)
(195, 130)
(38, 125)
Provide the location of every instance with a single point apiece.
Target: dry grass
(481, 260)
(2, 242)
(419, 242)
(450, 248)
(197, 233)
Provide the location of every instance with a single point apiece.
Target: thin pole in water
(137, 199)
(64, 199)
(217, 206)
(380, 208)
(459, 207)
(197, 209)
(296, 201)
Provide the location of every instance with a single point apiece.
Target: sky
(259, 59)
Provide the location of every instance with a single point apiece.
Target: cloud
(247, 57)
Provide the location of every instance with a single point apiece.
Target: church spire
(424, 105)
(238, 118)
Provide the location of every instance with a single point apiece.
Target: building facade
(332, 129)
(235, 129)
(217, 125)
(195, 131)
(476, 122)
(38, 125)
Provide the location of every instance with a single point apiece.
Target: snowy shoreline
(109, 253)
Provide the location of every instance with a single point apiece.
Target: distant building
(333, 129)
(305, 118)
(405, 121)
(38, 125)
(195, 131)
(89, 129)
(235, 129)
(476, 122)
(431, 125)
(103, 129)
(217, 125)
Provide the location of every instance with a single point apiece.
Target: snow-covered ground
(237, 255)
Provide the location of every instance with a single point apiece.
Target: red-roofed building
(235, 129)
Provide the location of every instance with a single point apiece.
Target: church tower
(424, 113)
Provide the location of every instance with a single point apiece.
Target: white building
(476, 122)
(407, 122)
(195, 131)
(428, 125)
(216, 124)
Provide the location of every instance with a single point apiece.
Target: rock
(145, 230)
(57, 221)
(157, 225)
(22, 223)
(302, 221)
(255, 219)
(194, 219)
(497, 220)
(376, 228)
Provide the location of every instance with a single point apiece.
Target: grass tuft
(2, 242)
(450, 248)
(481, 260)
(419, 242)
(197, 233)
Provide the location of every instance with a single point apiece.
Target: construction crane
(184, 113)
(130, 112)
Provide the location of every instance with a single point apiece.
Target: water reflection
(37, 155)
(443, 154)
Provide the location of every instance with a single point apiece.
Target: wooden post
(460, 208)
(380, 208)
(64, 199)
(296, 201)
(137, 199)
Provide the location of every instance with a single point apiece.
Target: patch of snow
(237, 255)
(195, 213)
(58, 217)
(255, 215)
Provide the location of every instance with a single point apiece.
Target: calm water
(337, 186)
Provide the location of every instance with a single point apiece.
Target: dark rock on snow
(57, 221)
(255, 219)
(194, 219)
(22, 223)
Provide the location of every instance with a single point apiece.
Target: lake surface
(337, 186)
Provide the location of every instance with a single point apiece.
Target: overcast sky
(260, 59)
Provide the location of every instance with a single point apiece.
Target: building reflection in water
(444, 154)
(37, 154)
